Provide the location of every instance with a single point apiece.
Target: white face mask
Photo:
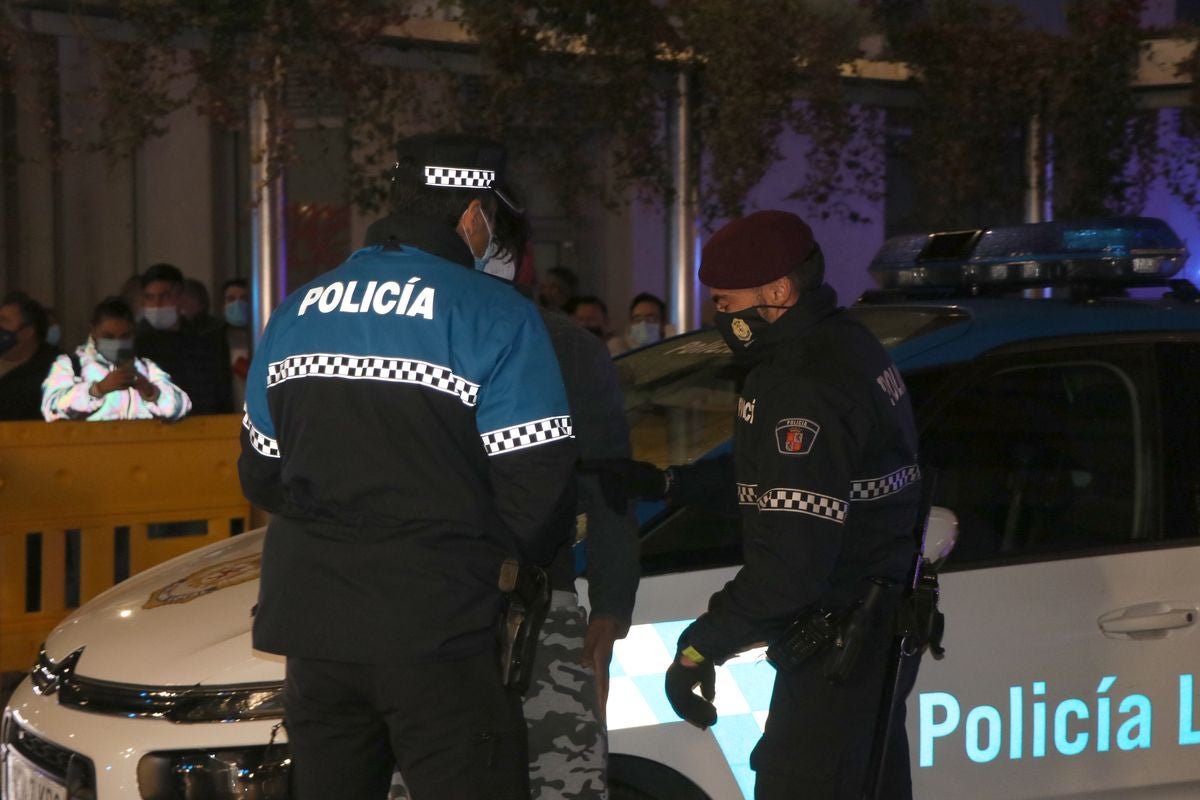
(162, 318)
(644, 333)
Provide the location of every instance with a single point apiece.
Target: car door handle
(1148, 620)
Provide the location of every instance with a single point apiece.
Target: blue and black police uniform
(407, 427)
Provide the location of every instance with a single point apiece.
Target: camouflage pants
(568, 743)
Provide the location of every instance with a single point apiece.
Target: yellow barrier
(83, 504)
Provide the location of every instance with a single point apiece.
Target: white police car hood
(183, 622)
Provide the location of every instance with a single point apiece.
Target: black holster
(526, 603)
(839, 636)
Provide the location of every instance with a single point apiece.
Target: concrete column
(172, 194)
(32, 242)
(95, 215)
(268, 270)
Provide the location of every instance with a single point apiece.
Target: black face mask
(598, 331)
(741, 329)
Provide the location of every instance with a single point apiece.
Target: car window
(1044, 458)
(1179, 388)
(679, 398)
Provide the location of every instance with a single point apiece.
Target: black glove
(679, 684)
(623, 480)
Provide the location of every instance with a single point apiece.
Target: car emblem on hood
(207, 580)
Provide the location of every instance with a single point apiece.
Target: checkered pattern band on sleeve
(459, 177)
(747, 494)
(875, 488)
(264, 445)
(802, 502)
(373, 368)
(528, 434)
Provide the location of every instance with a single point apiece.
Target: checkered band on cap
(373, 368)
(875, 488)
(264, 445)
(527, 434)
(802, 502)
(747, 494)
(459, 177)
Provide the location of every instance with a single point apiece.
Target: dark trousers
(453, 730)
(816, 744)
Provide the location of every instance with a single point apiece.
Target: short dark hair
(162, 272)
(585, 300)
(646, 297)
(511, 230)
(239, 282)
(199, 291)
(112, 308)
(32, 312)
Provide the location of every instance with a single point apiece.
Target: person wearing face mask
(103, 380)
(25, 356)
(825, 477)
(825, 462)
(235, 295)
(647, 325)
(196, 358)
(407, 427)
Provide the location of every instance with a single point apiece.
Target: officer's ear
(778, 291)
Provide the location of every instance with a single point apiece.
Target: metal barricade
(85, 504)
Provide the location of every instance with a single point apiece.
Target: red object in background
(318, 239)
(526, 275)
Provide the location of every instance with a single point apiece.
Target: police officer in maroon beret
(825, 463)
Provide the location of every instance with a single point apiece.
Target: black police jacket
(825, 456)
(407, 426)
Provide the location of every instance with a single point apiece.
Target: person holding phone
(104, 380)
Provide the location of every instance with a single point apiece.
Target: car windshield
(680, 395)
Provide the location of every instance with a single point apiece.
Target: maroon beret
(755, 250)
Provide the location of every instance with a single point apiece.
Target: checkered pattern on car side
(527, 434)
(263, 444)
(875, 488)
(456, 177)
(747, 494)
(372, 368)
(800, 501)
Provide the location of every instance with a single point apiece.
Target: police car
(1060, 414)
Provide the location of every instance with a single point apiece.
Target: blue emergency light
(1123, 251)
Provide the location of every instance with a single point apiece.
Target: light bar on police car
(1125, 251)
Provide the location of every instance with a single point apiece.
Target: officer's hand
(602, 633)
(623, 479)
(681, 680)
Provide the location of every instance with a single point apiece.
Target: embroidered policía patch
(795, 436)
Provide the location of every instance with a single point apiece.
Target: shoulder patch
(795, 436)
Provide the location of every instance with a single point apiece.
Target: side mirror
(941, 534)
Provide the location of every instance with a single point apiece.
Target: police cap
(755, 250)
(453, 161)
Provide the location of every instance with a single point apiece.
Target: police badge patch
(795, 437)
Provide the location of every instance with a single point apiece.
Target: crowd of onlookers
(157, 350)
(647, 324)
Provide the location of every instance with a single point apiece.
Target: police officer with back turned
(407, 427)
(825, 458)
